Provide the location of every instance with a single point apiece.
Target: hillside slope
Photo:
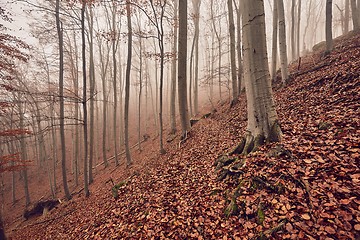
(311, 191)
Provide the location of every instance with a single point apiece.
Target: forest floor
(310, 189)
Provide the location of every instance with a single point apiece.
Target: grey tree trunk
(238, 46)
(61, 96)
(282, 42)
(84, 101)
(346, 17)
(355, 15)
(328, 28)
(274, 41)
(196, 5)
(219, 45)
(90, 19)
(114, 50)
(293, 49)
(262, 118)
(298, 29)
(234, 80)
(182, 89)
(173, 72)
(127, 84)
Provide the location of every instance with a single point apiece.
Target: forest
(176, 119)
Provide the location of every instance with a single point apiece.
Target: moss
(238, 149)
(275, 132)
(116, 187)
(324, 125)
(232, 209)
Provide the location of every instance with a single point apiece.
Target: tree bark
(274, 40)
(127, 84)
(262, 118)
(61, 96)
(84, 101)
(173, 72)
(232, 52)
(182, 89)
(328, 28)
(346, 17)
(355, 15)
(282, 42)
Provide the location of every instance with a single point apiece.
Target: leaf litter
(311, 192)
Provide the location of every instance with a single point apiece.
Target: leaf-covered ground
(309, 189)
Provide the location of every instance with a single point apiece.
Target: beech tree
(61, 96)
(232, 53)
(182, 86)
(282, 41)
(262, 122)
(328, 28)
(127, 83)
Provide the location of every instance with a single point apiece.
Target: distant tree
(11, 50)
(127, 83)
(274, 40)
(355, 9)
(282, 41)
(328, 28)
(263, 123)
(61, 96)
(84, 100)
(232, 53)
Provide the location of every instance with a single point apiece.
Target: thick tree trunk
(61, 96)
(262, 118)
(127, 84)
(328, 28)
(282, 42)
(182, 93)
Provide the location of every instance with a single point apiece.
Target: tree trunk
(196, 5)
(298, 29)
(84, 101)
(346, 17)
(61, 96)
(262, 118)
(90, 19)
(274, 41)
(293, 54)
(23, 150)
(182, 89)
(355, 15)
(173, 72)
(232, 53)
(282, 42)
(328, 28)
(238, 46)
(114, 49)
(127, 84)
